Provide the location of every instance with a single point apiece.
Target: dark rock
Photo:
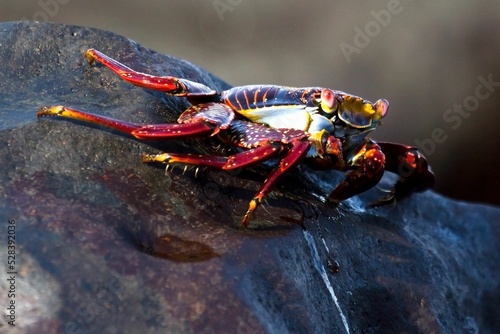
(107, 244)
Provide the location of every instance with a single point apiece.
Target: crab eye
(381, 108)
(328, 101)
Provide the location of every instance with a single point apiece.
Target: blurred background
(438, 63)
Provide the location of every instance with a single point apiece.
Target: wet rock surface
(108, 244)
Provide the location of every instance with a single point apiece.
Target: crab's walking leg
(293, 157)
(158, 131)
(368, 170)
(166, 84)
(253, 156)
(242, 159)
(412, 167)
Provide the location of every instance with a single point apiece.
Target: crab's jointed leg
(167, 84)
(292, 158)
(157, 131)
(242, 159)
(197, 121)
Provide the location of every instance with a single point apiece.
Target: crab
(324, 128)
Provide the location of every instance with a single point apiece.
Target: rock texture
(105, 244)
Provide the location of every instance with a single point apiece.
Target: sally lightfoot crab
(322, 127)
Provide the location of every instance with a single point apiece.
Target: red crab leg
(159, 131)
(290, 160)
(245, 158)
(369, 168)
(167, 84)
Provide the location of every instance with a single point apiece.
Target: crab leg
(369, 168)
(205, 119)
(293, 157)
(157, 131)
(166, 84)
(246, 158)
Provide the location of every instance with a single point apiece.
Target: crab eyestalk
(328, 101)
(381, 109)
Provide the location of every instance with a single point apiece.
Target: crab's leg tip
(251, 208)
(89, 55)
(147, 158)
(49, 111)
(42, 111)
(246, 220)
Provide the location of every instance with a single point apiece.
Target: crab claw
(411, 166)
(368, 168)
